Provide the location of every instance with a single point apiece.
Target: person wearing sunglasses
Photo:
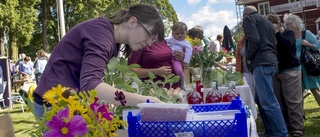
(79, 59)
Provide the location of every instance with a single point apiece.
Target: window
(263, 8)
(293, 1)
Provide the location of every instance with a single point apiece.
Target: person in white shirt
(215, 46)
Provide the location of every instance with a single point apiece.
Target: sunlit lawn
(312, 122)
(24, 123)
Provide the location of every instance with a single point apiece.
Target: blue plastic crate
(220, 128)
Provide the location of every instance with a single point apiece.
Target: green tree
(17, 23)
(76, 12)
(2, 6)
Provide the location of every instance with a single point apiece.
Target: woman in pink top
(156, 59)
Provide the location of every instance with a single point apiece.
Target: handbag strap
(303, 49)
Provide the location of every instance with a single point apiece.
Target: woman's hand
(164, 71)
(307, 44)
(276, 27)
(178, 55)
(172, 91)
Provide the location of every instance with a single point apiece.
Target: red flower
(120, 97)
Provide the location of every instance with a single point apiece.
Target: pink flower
(101, 108)
(59, 126)
(195, 50)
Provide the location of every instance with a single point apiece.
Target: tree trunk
(2, 52)
(45, 45)
(14, 47)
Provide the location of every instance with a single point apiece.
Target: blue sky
(212, 15)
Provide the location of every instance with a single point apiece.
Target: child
(178, 42)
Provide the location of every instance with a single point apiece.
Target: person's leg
(291, 87)
(267, 128)
(263, 76)
(37, 78)
(316, 93)
(39, 110)
(178, 69)
(277, 87)
(182, 84)
(249, 79)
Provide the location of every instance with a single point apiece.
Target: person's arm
(252, 36)
(310, 41)
(135, 58)
(286, 39)
(216, 64)
(107, 93)
(143, 72)
(187, 53)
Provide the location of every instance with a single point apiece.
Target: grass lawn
(312, 122)
(24, 123)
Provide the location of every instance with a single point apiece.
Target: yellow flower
(50, 97)
(61, 94)
(76, 108)
(194, 41)
(80, 104)
(58, 94)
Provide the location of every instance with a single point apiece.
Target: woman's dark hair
(145, 13)
(27, 58)
(195, 33)
(219, 37)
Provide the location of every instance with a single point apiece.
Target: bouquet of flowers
(204, 59)
(195, 43)
(81, 114)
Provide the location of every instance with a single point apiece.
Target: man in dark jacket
(262, 61)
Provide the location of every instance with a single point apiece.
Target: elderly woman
(26, 68)
(295, 23)
(287, 80)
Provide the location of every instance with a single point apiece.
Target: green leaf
(134, 66)
(151, 75)
(123, 61)
(122, 68)
(112, 65)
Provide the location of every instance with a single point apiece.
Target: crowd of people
(272, 53)
(268, 56)
(26, 69)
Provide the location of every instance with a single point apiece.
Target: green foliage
(232, 75)
(34, 24)
(118, 74)
(218, 76)
(207, 57)
(238, 34)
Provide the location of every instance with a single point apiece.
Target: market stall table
(245, 95)
(17, 84)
